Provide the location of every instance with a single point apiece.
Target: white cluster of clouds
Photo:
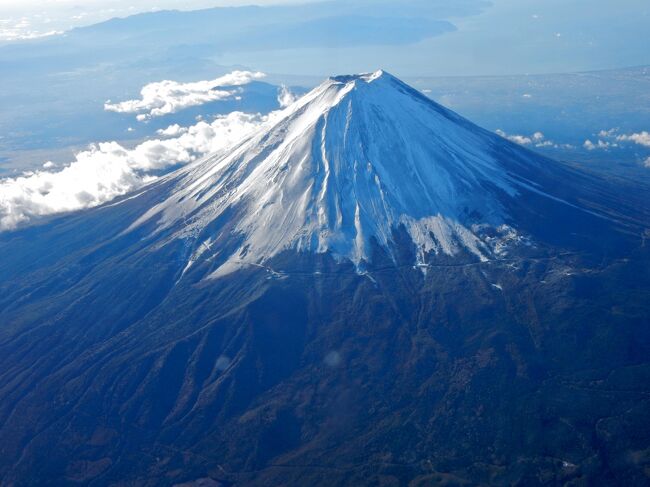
(612, 138)
(599, 144)
(640, 138)
(108, 169)
(606, 140)
(165, 97)
(538, 139)
(603, 140)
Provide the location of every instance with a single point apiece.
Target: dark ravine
(530, 369)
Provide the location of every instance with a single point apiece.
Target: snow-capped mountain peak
(351, 162)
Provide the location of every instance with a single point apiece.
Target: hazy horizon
(467, 38)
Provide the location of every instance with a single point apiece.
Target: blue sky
(485, 37)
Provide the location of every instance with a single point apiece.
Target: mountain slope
(351, 162)
(263, 318)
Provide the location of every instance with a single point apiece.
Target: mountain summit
(343, 169)
(370, 290)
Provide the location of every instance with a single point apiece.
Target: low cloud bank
(108, 169)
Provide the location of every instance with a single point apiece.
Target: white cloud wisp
(166, 97)
(286, 97)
